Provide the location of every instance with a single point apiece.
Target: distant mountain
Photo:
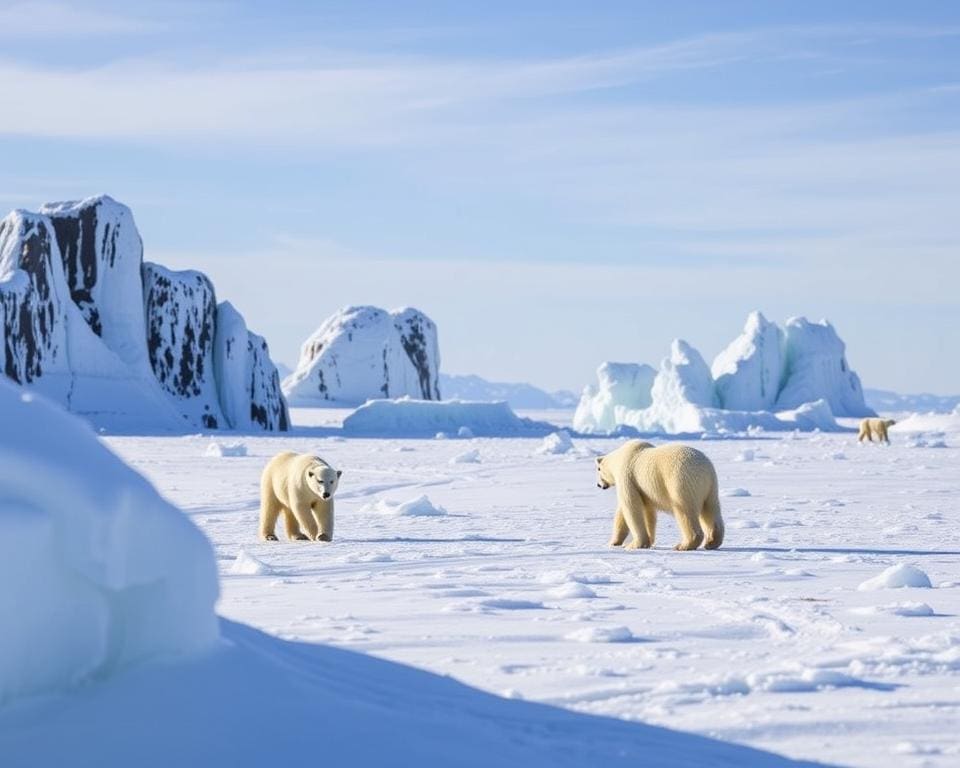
(522, 396)
(884, 400)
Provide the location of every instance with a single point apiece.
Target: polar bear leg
(269, 511)
(864, 432)
(323, 513)
(304, 515)
(292, 527)
(631, 503)
(712, 521)
(882, 436)
(620, 529)
(650, 522)
(687, 521)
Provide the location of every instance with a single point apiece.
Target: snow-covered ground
(785, 639)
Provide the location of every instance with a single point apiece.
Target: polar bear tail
(711, 520)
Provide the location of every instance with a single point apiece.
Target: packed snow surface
(97, 570)
(361, 353)
(765, 642)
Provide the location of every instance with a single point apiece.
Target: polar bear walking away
(301, 487)
(870, 428)
(670, 478)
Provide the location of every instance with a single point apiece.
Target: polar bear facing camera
(669, 478)
(301, 487)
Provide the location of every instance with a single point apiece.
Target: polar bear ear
(339, 472)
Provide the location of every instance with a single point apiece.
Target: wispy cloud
(34, 20)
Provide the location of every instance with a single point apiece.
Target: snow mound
(896, 609)
(362, 353)
(223, 450)
(572, 590)
(935, 423)
(418, 507)
(556, 443)
(467, 457)
(421, 418)
(248, 565)
(117, 575)
(897, 577)
(732, 493)
(601, 635)
(217, 704)
(624, 386)
(748, 371)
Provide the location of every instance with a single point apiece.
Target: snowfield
(495, 571)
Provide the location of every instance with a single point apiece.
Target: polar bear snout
(325, 495)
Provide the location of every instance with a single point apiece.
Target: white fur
(670, 478)
(301, 487)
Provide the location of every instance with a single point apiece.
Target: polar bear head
(323, 480)
(605, 477)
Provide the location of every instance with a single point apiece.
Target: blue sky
(555, 183)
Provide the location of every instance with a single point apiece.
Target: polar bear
(670, 478)
(300, 486)
(870, 428)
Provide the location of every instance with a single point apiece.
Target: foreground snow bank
(214, 709)
(96, 569)
(422, 418)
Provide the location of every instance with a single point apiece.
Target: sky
(556, 184)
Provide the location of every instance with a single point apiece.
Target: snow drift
(362, 353)
(214, 709)
(98, 571)
(421, 418)
(766, 378)
(127, 344)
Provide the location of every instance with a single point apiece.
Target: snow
(361, 353)
(218, 450)
(359, 710)
(624, 386)
(115, 574)
(761, 643)
(467, 457)
(421, 506)
(897, 577)
(422, 418)
(556, 443)
(768, 642)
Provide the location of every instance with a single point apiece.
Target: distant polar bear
(671, 478)
(300, 486)
(875, 428)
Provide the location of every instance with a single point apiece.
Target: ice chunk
(620, 387)
(361, 353)
(748, 371)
